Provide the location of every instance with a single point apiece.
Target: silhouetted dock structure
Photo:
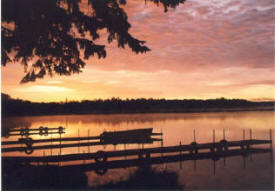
(136, 136)
(26, 132)
(104, 160)
(102, 156)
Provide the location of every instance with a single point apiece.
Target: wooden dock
(102, 167)
(101, 161)
(102, 156)
(58, 146)
(26, 132)
(136, 136)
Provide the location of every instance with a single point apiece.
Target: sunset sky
(202, 49)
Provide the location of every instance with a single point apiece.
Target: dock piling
(271, 149)
(89, 140)
(60, 143)
(161, 143)
(51, 144)
(214, 136)
(125, 150)
(44, 156)
(224, 159)
(194, 134)
(78, 140)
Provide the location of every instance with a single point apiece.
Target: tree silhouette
(55, 36)
(18, 107)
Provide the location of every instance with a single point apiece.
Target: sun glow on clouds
(202, 49)
(43, 89)
(54, 82)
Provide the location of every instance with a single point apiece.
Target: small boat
(128, 136)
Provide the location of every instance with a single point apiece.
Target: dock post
(58, 162)
(162, 148)
(194, 134)
(250, 137)
(271, 149)
(60, 143)
(248, 144)
(270, 138)
(161, 143)
(78, 141)
(51, 144)
(214, 140)
(44, 157)
(214, 136)
(196, 151)
(161, 137)
(47, 163)
(180, 155)
(88, 140)
(125, 151)
(270, 134)
(242, 145)
(214, 145)
(180, 148)
(224, 159)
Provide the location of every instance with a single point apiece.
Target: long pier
(57, 146)
(20, 141)
(167, 159)
(102, 156)
(38, 131)
(104, 160)
(136, 136)
(102, 167)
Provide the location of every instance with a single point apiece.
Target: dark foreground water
(251, 172)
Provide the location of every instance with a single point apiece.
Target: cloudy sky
(202, 49)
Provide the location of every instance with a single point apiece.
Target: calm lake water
(252, 172)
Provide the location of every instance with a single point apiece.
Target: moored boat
(128, 136)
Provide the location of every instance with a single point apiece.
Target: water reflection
(143, 178)
(38, 177)
(257, 174)
(132, 119)
(146, 178)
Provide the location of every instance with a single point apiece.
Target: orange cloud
(201, 49)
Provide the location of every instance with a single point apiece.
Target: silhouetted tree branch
(48, 36)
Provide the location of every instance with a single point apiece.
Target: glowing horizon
(201, 50)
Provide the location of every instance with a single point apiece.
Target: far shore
(203, 110)
(18, 107)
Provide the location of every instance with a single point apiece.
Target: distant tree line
(18, 107)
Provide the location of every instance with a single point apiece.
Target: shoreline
(202, 110)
